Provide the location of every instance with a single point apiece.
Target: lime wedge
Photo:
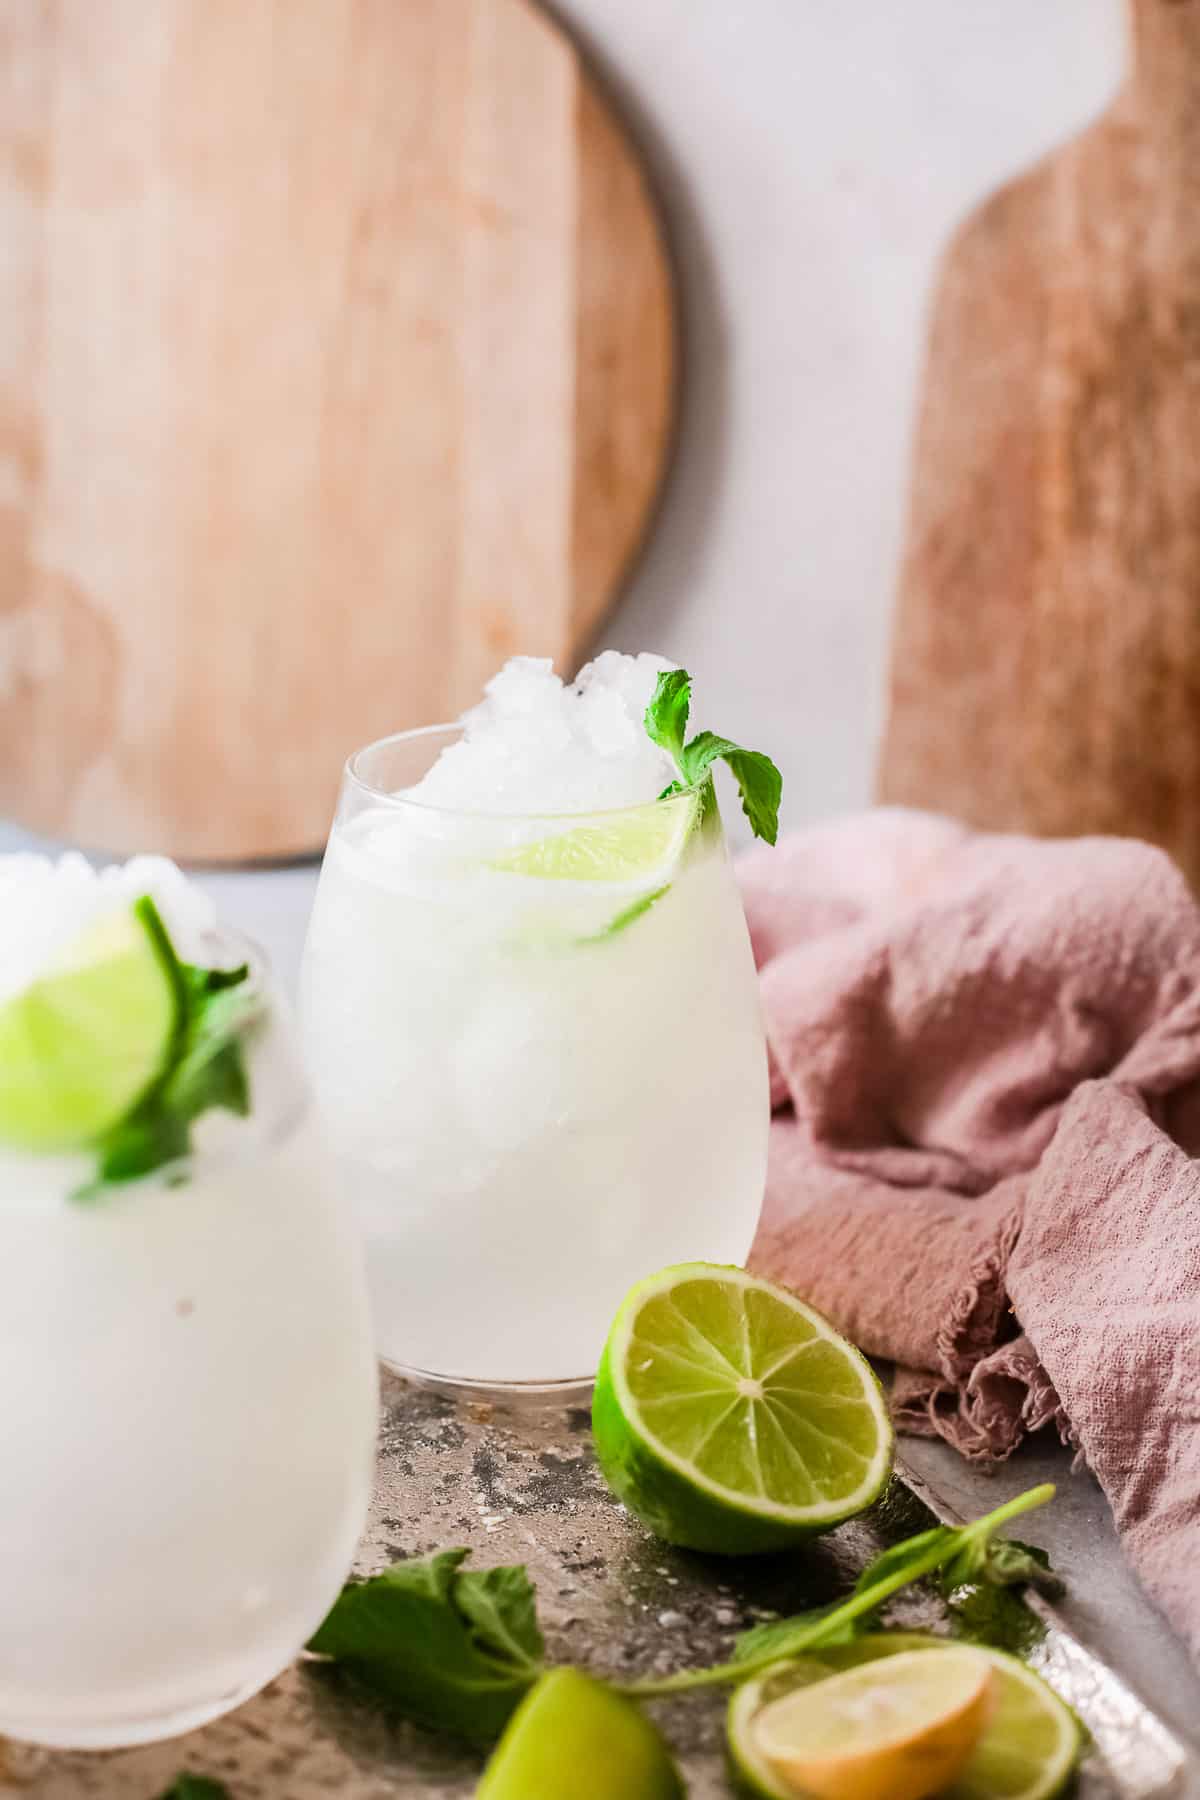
(81, 1045)
(731, 1417)
(641, 846)
(572, 1739)
(1028, 1748)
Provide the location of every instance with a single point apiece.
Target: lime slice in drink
(80, 1046)
(731, 1417)
(572, 1739)
(1027, 1750)
(641, 847)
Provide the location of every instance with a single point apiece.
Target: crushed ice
(46, 902)
(536, 744)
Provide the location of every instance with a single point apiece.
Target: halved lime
(731, 1417)
(642, 846)
(81, 1045)
(1029, 1747)
(574, 1739)
(897, 1729)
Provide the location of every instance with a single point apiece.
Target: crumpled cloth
(985, 1069)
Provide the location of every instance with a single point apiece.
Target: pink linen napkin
(985, 1062)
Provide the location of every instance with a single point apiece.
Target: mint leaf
(667, 714)
(195, 1787)
(995, 1616)
(206, 1071)
(210, 1071)
(900, 1558)
(1010, 1562)
(147, 1140)
(453, 1649)
(759, 781)
(985, 1560)
(777, 1639)
(501, 1605)
(626, 916)
(1001, 1563)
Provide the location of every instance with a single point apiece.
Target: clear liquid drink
(538, 1049)
(188, 1395)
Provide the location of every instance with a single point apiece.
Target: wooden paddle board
(1046, 668)
(336, 366)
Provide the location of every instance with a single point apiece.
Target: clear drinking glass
(188, 1392)
(541, 1085)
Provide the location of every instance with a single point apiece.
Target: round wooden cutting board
(336, 365)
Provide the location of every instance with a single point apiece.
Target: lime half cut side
(82, 1044)
(731, 1417)
(640, 847)
(1028, 1749)
(574, 1739)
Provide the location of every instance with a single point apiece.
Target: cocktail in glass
(537, 1046)
(188, 1395)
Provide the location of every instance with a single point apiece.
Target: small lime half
(573, 1739)
(82, 1044)
(731, 1417)
(1028, 1750)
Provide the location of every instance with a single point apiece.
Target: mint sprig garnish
(759, 781)
(205, 1067)
(452, 1648)
(457, 1648)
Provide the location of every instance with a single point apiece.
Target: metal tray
(522, 1487)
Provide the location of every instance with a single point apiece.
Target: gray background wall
(812, 158)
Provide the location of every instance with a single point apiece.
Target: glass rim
(354, 778)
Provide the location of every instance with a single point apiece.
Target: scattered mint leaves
(205, 1068)
(195, 1787)
(759, 781)
(453, 1648)
(944, 1547)
(456, 1649)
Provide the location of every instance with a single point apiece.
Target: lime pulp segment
(731, 1416)
(1028, 1750)
(82, 1044)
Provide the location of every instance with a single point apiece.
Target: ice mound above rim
(46, 902)
(536, 744)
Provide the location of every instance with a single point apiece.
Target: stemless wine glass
(538, 1049)
(189, 1397)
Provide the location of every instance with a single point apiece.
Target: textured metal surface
(1104, 1605)
(523, 1487)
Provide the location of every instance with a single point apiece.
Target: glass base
(126, 1734)
(512, 1394)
